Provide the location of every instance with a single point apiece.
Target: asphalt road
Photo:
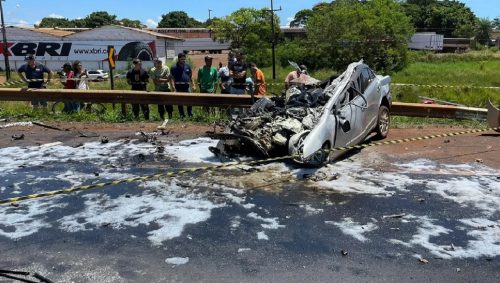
(368, 217)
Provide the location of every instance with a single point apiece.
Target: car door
(371, 91)
(345, 120)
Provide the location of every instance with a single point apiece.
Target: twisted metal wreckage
(313, 115)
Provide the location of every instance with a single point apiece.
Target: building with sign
(54, 47)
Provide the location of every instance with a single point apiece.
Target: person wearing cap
(299, 73)
(181, 76)
(32, 73)
(258, 79)
(69, 82)
(161, 78)
(138, 78)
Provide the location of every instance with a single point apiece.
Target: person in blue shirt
(32, 74)
(181, 76)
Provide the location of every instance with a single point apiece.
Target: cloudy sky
(29, 12)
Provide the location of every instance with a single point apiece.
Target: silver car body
(355, 99)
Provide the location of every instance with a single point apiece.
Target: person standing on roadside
(32, 74)
(207, 77)
(161, 78)
(68, 81)
(181, 78)
(138, 78)
(224, 79)
(238, 72)
(258, 79)
(81, 81)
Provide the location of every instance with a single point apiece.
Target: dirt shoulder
(482, 147)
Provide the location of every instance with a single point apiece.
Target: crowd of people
(237, 77)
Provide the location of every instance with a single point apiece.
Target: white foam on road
(262, 236)
(483, 234)
(193, 151)
(11, 158)
(480, 192)
(165, 212)
(27, 219)
(311, 210)
(354, 229)
(177, 260)
(269, 223)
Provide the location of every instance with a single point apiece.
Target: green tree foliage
(99, 19)
(95, 19)
(178, 19)
(483, 31)
(377, 31)
(301, 18)
(449, 17)
(496, 23)
(248, 29)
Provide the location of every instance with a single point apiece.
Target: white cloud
(38, 22)
(289, 20)
(54, 15)
(151, 23)
(23, 24)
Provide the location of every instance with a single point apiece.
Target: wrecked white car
(312, 118)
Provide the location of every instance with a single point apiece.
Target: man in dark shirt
(138, 78)
(32, 73)
(238, 72)
(181, 76)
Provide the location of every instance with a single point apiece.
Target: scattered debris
(450, 248)
(446, 141)
(458, 269)
(163, 126)
(17, 124)
(479, 160)
(423, 260)
(48, 126)
(14, 204)
(104, 139)
(18, 137)
(421, 199)
(401, 215)
(344, 253)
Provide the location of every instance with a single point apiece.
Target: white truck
(427, 41)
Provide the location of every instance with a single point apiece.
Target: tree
(131, 23)
(178, 19)
(483, 31)
(376, 31)
(99, 19)
(301, 18)
(54, 22)
(450, 18)
(250, 30)
(496, 23)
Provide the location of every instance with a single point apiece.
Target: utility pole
(209, 19)
(5, 45)
(273, 38)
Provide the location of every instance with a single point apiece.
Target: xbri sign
(78, 50)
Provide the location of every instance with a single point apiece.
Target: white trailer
(427, 41)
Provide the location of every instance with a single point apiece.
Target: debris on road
(104, 139)
(423, 260)
(344, 253)
(18, 137)
(401, 215)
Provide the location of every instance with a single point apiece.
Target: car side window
(365, 79)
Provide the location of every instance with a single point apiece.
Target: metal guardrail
(492, 114)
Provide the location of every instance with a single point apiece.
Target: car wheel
(321, 157)
(383, 122)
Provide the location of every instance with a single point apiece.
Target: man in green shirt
(207, 77)
(161, 78)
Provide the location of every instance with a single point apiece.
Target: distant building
(54, 47)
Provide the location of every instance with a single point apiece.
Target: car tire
(383, 122)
